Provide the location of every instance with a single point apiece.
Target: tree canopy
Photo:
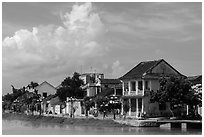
(71, 87)
(177, 91)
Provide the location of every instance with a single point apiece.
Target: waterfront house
(114, 84)
(90, 83)
(45, 89)
(137, 84)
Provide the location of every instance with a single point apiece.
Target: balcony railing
(133, 93)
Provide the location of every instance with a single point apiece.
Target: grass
(63, 120)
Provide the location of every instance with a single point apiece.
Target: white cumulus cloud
(48, 48)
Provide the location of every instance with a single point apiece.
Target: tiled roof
(144, 69)
(195, 79)
(140, 69)
(43, 83)
(110, 81)
(48, 98)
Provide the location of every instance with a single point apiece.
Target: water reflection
(16, 127)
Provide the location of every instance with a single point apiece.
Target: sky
(51, 41)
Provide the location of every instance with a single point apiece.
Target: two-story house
(137, 84)
(90, 83)
(114, 84)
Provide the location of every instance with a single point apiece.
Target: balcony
(134, 93)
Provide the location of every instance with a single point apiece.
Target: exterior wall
(76, 105)
(57, 109)
(148, 108)
(91, 91)
(45, 87)
(89, 81)
(154, 85)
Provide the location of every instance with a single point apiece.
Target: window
(133, 105)
(139, 104)
(44, 94)
(162, 106)
(133, 85)
(146, 85)
(140, 85)
(126, 88)
(119, 92)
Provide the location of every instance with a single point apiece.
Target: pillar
(143, 86)
(129, 102)
(136, 107)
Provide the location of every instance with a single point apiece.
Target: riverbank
(63, 120)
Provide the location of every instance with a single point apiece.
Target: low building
(74, 106)
(45, 89)
(137, 84)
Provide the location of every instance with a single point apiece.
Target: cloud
(117, 69)
(45, 49)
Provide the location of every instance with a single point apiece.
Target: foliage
(20, 96)
(177, 91)
(71, 87)
(32, 85)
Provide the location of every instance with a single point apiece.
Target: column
(123, 87)
(136, 107)
(129, 87)
(129, 106)
(142, 105)
(136, 83)
(143, 86)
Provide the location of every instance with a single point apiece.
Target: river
(17, 127)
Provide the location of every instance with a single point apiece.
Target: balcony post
(143, 86)
(129, 87)
(123, 86)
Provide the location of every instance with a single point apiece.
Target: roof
(91, 73)
(45, 82)
(49, 98)
(143, 68)
(56, 101)
(195, 79)
(110, 81)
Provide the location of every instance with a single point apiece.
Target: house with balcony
(90, 86)
(137, 84)
(114, 84)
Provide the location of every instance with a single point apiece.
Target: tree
(175, 90)
(71, 87)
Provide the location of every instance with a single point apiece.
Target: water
(17, 127)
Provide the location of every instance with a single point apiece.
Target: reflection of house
(45, 89)
(114, 84)
(139, 81)
(90, 83)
